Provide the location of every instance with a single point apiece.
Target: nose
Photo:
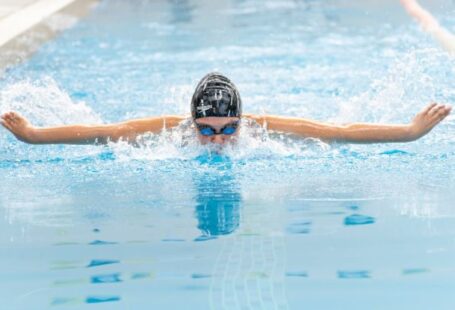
(218, 139)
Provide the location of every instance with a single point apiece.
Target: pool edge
(21, 45)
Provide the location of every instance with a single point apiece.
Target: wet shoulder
(175, 120)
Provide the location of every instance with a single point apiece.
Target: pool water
(274, 222)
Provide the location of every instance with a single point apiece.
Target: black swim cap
(216, 95)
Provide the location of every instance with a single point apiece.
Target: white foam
(408, 86)
(181, 143)
(45, 103)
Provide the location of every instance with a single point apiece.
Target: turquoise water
(272, 223)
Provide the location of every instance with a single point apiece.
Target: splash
(45, 103)
(253, 142)
(411, 82)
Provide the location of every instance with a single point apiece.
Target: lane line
(430, 25)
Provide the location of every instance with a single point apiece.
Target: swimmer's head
(216, 109)
(216, 96)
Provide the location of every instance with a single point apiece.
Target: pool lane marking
(430, 25)
(249, 269)
(19, 22)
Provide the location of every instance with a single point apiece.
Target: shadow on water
(218, 201)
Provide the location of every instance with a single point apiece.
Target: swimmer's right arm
(85, 134)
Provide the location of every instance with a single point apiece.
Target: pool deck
(8, 7)
(26, 24)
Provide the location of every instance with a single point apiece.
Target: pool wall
(26, 24)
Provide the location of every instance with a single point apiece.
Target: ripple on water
(358, 219)
(106, 278)
(353, 274)
(102, 262)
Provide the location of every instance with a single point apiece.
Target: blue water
(272, 223)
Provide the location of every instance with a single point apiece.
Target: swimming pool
(274, 223)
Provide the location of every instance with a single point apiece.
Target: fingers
(8, 118)
(12, 117)
(428, 107)
(431, 115)
(441, 113)
(5, 118)
(435, 108)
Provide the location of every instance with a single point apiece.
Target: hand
(18, 125)
(429, 117)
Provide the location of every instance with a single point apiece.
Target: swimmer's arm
(422, 123)
(85, 134)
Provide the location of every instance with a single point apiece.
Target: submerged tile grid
(250, 269)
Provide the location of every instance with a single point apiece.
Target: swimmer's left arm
(422, 123)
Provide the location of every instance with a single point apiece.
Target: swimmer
(216, 112)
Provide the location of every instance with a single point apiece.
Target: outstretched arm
(422, 123)
(85, 134)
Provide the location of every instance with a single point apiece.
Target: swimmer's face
(217, 123)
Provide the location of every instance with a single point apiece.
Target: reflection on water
(106, 278)
(218, 203)
(101, 242)
(100, 262)
(354, 274)
(358, 219)
(303, 227)
(248, 264)
(88, 300)
(412, 271)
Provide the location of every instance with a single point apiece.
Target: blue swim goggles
(208, 131)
